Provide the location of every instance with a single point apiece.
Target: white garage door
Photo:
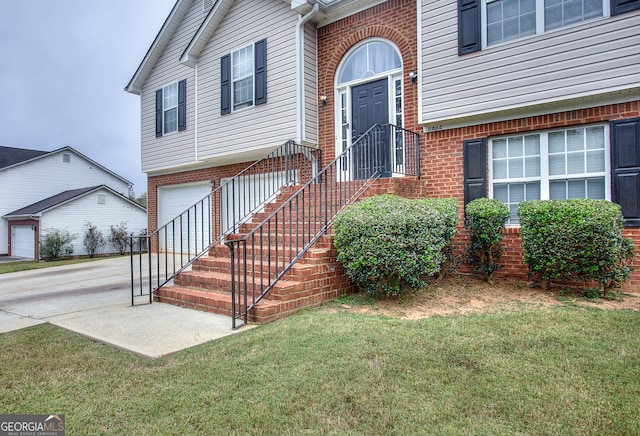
(174, 201)
(22, 241)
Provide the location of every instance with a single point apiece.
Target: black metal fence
(261, 257)
(177, 244)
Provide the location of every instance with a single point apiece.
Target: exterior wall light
(413, 76)
(323, 99)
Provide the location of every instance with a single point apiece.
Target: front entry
(370, 106)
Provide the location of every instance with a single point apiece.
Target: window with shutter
(171, 108)
(243, 77)
(625, 167)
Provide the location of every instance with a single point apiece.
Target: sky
(63, 68)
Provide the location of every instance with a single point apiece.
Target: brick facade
(442, 166)
(395, 21)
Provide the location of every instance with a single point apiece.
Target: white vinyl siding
(175, 149)
(249, 133)
(74, 215)
(28, 183)
(598, 57)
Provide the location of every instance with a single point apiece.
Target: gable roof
(163, 37)
(54, 201)
(10, 156)
(204, 32)
(35, 155)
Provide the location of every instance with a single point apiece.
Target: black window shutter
(182, 105)
(625, 168)
(159, 112)
(469, 26)
(260, 54)
(225, 84)
(622, 6)
(475, 169)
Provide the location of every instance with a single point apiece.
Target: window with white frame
(170, 108)
(242, 77)
(558, 164)
(504, 20)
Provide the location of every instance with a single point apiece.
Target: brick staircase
(317, 277)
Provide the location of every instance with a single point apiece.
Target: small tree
(120, 237)
(484, 220)
(55, 243)
(94, 241)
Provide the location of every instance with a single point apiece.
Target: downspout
(300, 100)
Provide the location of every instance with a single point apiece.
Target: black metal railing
(177, 244)
(261, 257)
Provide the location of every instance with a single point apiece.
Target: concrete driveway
(94, 300)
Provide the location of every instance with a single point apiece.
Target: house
(61, 189)
(511, 100)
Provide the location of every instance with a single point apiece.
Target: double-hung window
(504, 20)
(242, 61)
(243, 78)
(558, 164)
(171, 108)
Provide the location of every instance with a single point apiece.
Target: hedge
(577, 239)
(388, 243)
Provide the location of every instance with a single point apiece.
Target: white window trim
(606, 13)
(544, 177)
(253, 78)
(164, 109)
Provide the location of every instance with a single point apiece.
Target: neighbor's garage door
(196, 227)
(23, 241)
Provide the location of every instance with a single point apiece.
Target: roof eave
(205, 31)
(157, 47)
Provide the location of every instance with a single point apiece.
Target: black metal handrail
(261, 257)
(174, 246)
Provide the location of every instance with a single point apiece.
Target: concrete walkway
(94, 300)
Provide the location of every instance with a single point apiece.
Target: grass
(326, 371)
(26, 265)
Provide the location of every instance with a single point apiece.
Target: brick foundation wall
(442, 169)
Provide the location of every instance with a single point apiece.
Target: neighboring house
(513, 99)
(60, 189)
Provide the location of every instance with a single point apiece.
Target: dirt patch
(460, 295)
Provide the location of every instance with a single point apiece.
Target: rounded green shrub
(484, 220)
(388, 243)
(56, 243)
(575, 239)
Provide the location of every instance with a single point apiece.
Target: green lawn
(325, 371)
(26, 265)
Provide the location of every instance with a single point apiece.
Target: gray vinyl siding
(588, 59)
(256, 129)
(311, 85)
(178, 148)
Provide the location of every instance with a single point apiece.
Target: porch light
(323, 99)
(413, 76)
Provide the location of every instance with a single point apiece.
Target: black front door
(370, 105)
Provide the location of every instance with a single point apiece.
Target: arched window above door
(369, 59)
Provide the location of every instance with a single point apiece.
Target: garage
(23, 241)
(173, 201)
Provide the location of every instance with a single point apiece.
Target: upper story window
(554, 165)
(243, 77)
(242, 61)
(171, 108)
(504, 20)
